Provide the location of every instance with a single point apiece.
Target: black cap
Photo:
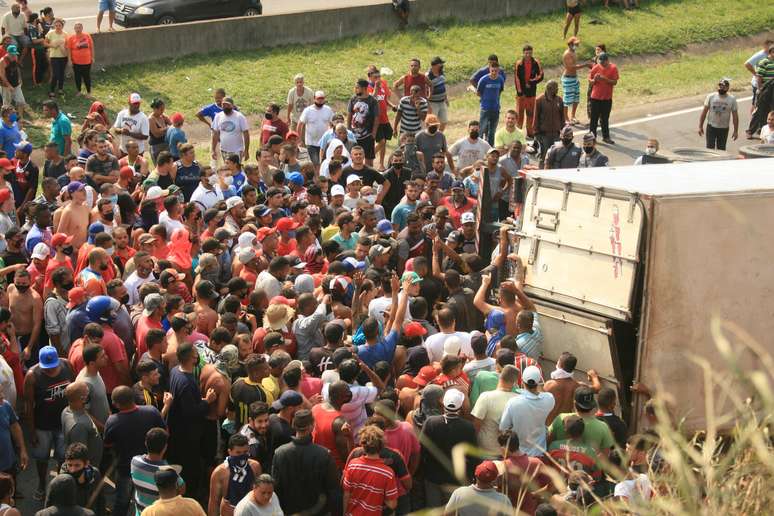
(340, 355)
(437, 60)
(273, 339)
(363, 83)
(206, 290)
(275, 139)
(210, 245)
(211, 214)
(584, 399)
(314, 190)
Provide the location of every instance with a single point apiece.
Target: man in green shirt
(61, 128)
(596, 433)
(764, 103)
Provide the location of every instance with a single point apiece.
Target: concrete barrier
(146, 44)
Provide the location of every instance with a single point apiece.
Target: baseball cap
(384, 227)
(246, 255)
(584, 398)
(467, 217)
(6, 164)
(48, 358)
(296, 177)
(291, 134)
(411, 275)
(261, 210)
(414, 329)
(211, 214)
(589, 137)
(23, 146)
(426, 375)
(452, 346)
(337, 190)
(319, 94)
(487, 472)
(177, 118)
(353, 264)
(288, 399)
(264, 232)
(126, 172)
(493, 150)
(75, 296)
(156, 192)
(282, 300)
(12, 50)
(455, 236)
(531, 376)
(206, 290)
(135, 98)
(41, 251)
(296, 263)
(353, 178)
(151, 303)
(453, 400)
(378, 250)
(457, 185)
(431, 120)
(146, 238)
(233, 202)
(74, 186)
(5, 194)
(286, 224)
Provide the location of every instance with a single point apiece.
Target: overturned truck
(634, 270)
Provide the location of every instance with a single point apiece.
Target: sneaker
(608, 141)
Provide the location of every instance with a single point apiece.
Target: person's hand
(431, 232)
(27, 353)
(478, 164)
(327, 299)
(214, 155)
(395, 282)
(315, 399)
(407, 284)
(168, 398)
(437, 244)
(591, 374)
(735, 135)
(358, 278)
(701, 130)
(640, 388)
(486, 279)
(211, 395)
(24, 459)
(125, 131)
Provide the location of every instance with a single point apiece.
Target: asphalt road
(85, 11)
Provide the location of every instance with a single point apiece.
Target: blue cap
(353, 264)
(12, 50)
(98, 309)
(384, 227)
(94, 229)
(458, 184)
(296, 178)
(288, 399)
(23, 146)
(261, 210)
(48, 358)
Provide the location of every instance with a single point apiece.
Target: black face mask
(427, 216)
(432, 129)
(269, 116)
(228, 111)
(22, 288)
(567, 141)
(588, 150)
(397, 166)
(474, 135)
(108, 216)
(319, 104)
(104, 267)
(67, 286)
(68, 251)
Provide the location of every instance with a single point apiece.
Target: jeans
(82, 74)
(545, 141)
(58, 66)
(600, 115)
(716, 137)
(123, 494)
(488, 124)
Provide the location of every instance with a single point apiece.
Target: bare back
(206, 318)
(212, 379)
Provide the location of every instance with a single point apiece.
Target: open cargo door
(580, 246)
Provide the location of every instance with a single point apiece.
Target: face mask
(432, 129)
(104, 266)
(567, 141)
(155, 274)
(108, 216)
(67, 251)
(22, 288)
(474, 135)
(397, 166)
(371, 199)
(229, 180)
(114, 199)
(268, 116)
(68, 286)
(13, 117)
(125, 300)
(650, 151)
(212, 180)
(109, 252)
(318, 104)
(588, 150)
(228, 111)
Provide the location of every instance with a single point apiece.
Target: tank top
(322, 433)
(12, 73)
(153, 140)
(50, 398)
(438, 87)
(240, 478)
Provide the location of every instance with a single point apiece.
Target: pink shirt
(403, 439)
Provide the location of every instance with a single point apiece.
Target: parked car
(141, 13)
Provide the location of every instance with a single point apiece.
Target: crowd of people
(310, 328)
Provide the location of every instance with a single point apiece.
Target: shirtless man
(74, 219)
(509, 305)
(207, 317)
(232, 479)
(570, 82)
(26, 314)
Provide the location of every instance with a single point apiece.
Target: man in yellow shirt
(505, 136)
(170, 501)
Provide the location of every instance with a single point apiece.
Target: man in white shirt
(525, 415)
(471, 149)
(170, 217)
(299, 97)
(143, 263)
(489, 410)
(230, 132)
(435, 343)
(132, 124)
(312, 125)
(208, 193)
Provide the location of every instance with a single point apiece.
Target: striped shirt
(370, 483)
(531, 343)
(765, 69)
(142, 470)
(411, 117)
(437, 87)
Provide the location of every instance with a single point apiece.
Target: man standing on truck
(718, 110)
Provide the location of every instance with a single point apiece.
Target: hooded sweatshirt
(61, 497)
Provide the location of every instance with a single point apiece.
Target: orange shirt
(53, 265)
(286, 249)
(81, 48)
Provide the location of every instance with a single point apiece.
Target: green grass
(257, 77)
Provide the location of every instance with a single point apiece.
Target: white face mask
(213, 180)
(650, 151)
(370, 198)
(109, 251)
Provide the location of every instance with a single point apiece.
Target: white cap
(337, 190)
(352, 178)
(41, 251)
(467, 217)
(531, 376)
(155, 192)
(319, 94)
(234, 201)
(135, 98)
(452, 346)
(246, 255)
(453, 399)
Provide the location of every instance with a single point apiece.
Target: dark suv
(139, 13)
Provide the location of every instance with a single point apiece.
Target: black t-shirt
(125, 432)
(99, 167)
(367, 175)
(279, 432)
(445, 433)
(364, 115)
(618, 427)
(397, 189)
(54, 170)
(243, 395)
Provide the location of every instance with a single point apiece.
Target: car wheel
(166, 20)
(253, 11)
(757, 151)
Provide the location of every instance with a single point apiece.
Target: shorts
(107, 5)
(441, 110)
(22, 41)
(13, 95)
(48, 439)
(574, 10)
(368, 146)
(314, 154)
(383, 132)
(570, 90)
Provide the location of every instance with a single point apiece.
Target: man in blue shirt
(484, 70)
(210, 110)
(378, 348)
(9, 130)
(489, 89)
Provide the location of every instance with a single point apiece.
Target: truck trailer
(635, 270)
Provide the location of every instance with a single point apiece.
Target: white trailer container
(631, 267)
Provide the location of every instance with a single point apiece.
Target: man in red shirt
(413, 77)
(272, 124)
(151, 318)
(604, 76)
(523, 475)
(331, 430)
(63, 249)
(116, 372)
(381, 92)
(369, 485)
(458, 203)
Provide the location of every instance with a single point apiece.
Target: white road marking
(666, 115)
(92, 17)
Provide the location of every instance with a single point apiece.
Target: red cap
(61, 239)
(414, 329)
(76, 296)
(287, 224)
(264, 232)
(177, 118)
(282, 300)
(425, 376)
(5, 194)
(487, 472)
(126, 172)
(7, 164)
(291, 134)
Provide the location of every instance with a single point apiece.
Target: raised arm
(400, 316)
(479, 301)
